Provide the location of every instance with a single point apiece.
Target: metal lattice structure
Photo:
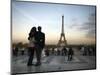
(62, 41)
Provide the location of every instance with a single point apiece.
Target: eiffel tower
(62, 42)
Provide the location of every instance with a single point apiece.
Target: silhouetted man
(22, 51)
(70, 54)
(58, 52)
(16, 51)
(40, 43)
(53, 51)
(47, 52)
(64, 51)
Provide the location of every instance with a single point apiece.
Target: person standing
(47, 52)
(83, 50)
(31, 46)
(22, 50)
(58, 52)
(64, 51)
(70, 54)
(40, 38)
(16, 51)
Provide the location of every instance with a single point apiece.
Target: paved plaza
(53, 63)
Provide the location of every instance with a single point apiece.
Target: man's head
(39, 28)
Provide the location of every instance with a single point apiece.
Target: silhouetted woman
(31, 46)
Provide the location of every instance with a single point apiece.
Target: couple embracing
(36, 44)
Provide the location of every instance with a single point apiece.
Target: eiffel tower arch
(62, 42)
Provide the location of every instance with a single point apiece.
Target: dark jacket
(70, 52)
(40, 39)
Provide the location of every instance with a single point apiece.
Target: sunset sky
(79, 21)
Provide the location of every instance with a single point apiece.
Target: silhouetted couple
(36, 44)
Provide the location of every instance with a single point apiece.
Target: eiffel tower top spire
(62, 24)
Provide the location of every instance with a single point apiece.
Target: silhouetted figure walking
(13, 51)
(83, 51)
(16, 51)
(40, 43)
(64, 51)
(90, 51)
(47, 52)
(22, 51)
(94, 50)
(58, 52)
(52, 51)
(31, 46)
(70, 54)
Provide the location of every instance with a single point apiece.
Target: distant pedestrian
(90, 51)
(83, 50)
(58, 52)
(22, 51)
(52, 51)
(47, 52)
(16, 51)
(70, 54)
(65, 51)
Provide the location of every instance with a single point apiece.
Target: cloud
(89, 27)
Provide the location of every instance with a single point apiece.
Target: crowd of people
(88, 51)
(60, 52)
